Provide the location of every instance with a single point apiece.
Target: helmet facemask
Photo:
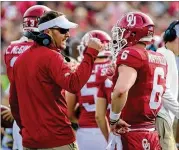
(102, 36)
(118, 41)
(106, 52)
(83, 44)
(80, 49)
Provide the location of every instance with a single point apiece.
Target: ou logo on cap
(131, 19)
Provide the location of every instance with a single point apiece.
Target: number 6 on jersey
(156, 88)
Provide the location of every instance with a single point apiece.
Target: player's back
(144, 97)
(88, 95)
(15, 49)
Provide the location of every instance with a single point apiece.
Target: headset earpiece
(44, 39)
(170, 33)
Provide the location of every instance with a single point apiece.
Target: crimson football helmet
(132, 28)
(31, 17)
(102, 36)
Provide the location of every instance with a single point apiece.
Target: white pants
(114, 141)
(90, 139)
(17, 143)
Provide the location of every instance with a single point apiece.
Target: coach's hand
(95, 44)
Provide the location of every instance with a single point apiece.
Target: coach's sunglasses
(61, 30)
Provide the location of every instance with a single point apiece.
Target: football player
(139, 81)
(102, 113)
(102, 107)
(16, 48)
(89, 135)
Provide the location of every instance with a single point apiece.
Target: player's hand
(119, 127)
(111, 70)
(95, 44)
(7, 115)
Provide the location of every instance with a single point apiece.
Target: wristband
(114, 116)
(113, 122)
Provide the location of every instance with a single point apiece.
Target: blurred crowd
(89, 15)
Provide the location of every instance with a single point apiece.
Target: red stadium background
(89, 15)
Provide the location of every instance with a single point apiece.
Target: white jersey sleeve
(170, 103)
(172, 74)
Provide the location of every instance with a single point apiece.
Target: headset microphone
(66, 58)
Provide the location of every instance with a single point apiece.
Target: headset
(170, 33)
(41, 38)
